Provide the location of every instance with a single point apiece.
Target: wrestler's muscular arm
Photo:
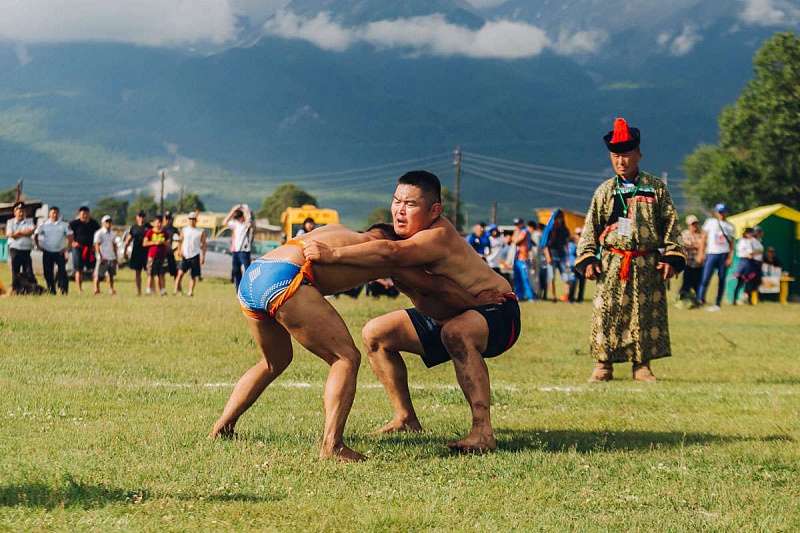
(423, 248)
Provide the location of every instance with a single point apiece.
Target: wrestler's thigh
(393, 332)
(314, 323)
(273, 340)
(469, 328)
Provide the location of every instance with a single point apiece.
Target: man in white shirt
(19, 230)
(53, 237)
(240, 222)
(717, 251)
(105, 250)
(193, 254)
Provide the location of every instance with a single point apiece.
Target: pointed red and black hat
(622, 138)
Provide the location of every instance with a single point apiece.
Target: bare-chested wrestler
(430, 241)
(282, 295)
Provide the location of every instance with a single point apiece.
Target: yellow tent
(754, 217)
(572, 219)
(781, 225)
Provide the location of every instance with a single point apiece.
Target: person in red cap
(630, 245)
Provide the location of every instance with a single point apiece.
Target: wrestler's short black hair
(386, 229)
(428, 182)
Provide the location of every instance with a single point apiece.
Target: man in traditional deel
(630, 245)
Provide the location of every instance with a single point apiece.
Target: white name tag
(624, 227)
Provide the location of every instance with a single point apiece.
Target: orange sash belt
(627, 257)
(306, 274)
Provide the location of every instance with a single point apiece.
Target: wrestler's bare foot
(222, 431)
(402, 425)
(476, 442)
(341, 453)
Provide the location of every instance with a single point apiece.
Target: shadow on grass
(589, 441)
(71, 493)
(516, 440)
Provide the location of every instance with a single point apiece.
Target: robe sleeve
(589, 245)
(674, 254)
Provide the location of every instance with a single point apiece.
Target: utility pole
(457, 192)
(161, 203)
(665, 177)
(19, 191)
(494, 213)
(180, 202)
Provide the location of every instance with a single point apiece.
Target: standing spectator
(106, 253)
(533, 265)
(19, 230)
(138, 258)
(193, 254)
(718, 248)
(507, 255)
(169, 233)
(83, 229)
(496, 245)
(53, 237)
(308, 227)
(156, 243)
(479, 240)
(522, 241)
(577, 283)
(554, 240)
(692, 239)
(239, 220)
(543, 270)
(750, 252)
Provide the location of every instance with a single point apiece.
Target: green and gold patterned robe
(629, 322)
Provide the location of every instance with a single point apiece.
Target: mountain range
(315, 90)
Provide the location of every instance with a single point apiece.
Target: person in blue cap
(717, 253)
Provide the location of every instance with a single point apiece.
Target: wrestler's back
(329, 279)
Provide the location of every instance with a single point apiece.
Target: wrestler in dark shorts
(504, 329)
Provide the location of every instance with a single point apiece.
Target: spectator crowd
(536, 259)
(95, 252)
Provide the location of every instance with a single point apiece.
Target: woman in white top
(193, 254)
(750, 252)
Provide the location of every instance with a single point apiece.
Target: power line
(530, 180)
(526, 186)
(368, 181)
(532, 166)
(367, 169)
(507, 168)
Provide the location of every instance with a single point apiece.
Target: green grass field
(106, 403)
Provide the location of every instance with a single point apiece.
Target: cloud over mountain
(434, 35)
(144, 22)
(769, 13)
